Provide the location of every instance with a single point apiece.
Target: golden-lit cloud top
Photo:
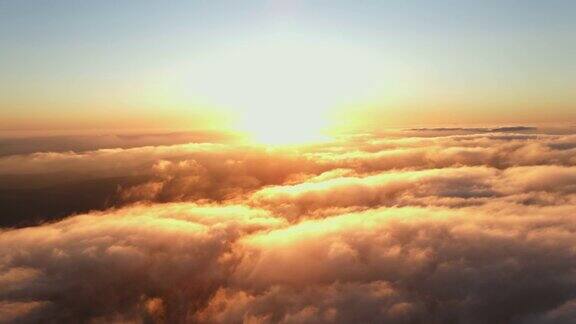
(471, 228)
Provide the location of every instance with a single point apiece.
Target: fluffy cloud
(476, 227)
(185, 262)
(128, 263)
(471, 265)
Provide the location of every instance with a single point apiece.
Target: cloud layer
(419, 228)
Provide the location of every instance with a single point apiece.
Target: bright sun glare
(283, 89)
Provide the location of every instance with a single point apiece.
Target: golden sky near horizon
(272, 67)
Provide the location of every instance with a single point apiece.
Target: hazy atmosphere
(288, 162)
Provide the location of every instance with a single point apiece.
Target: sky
(213, 64)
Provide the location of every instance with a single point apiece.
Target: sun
(282, 89)
(284, 127)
